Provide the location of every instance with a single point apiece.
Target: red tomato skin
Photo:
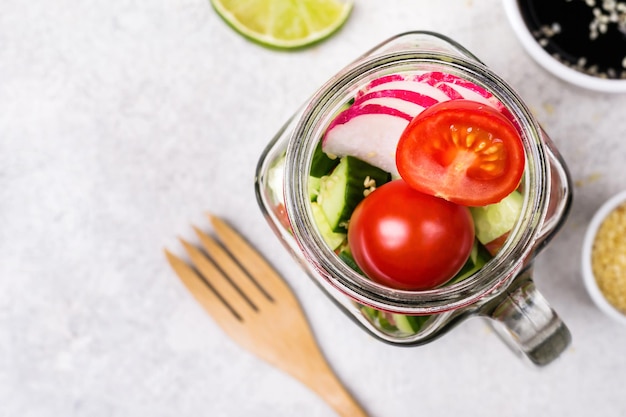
(432, 162)
(281, 212)
(495, 245)
(409, 240)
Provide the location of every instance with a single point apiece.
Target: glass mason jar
(502, 290)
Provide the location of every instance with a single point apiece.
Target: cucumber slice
(392, 323)
(322, 164)
(332, 239)
(477, 259)
(314, 187)
(347, 258)
(345, 187)
(409, 324)
(370, 313)
(497, 219)
(385, 322)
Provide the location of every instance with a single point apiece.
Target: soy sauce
(586, 35)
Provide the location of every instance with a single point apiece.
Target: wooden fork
(257, 309)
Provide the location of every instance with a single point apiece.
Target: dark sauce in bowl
(586, 35)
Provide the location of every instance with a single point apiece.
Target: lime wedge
(284, 24)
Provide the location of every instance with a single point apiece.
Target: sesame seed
(608, 258)
(576, 32)
(369, 182)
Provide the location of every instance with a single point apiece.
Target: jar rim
(307, 133)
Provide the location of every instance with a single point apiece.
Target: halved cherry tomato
(409, 240)
(463, 151)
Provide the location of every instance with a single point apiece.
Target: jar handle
(527, 324)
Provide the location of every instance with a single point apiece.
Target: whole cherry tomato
(409, 240)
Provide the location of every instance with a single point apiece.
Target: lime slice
(284, 24)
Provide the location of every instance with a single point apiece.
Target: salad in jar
(417, 183)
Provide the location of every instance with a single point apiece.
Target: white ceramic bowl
(551, 64)
(587, 272)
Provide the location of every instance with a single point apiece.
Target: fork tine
(251, 260)
(278, 334)
(221, 284)
(232, 269)
(205, 296)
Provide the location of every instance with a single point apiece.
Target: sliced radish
(459, 88)
(406, 83)
(443, 86)
(364, 108)
(371, 127)
(436, 78)
(369, 132)
(408, 102)
(385, 79)
(416, 97)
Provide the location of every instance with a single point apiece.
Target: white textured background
(122, 122)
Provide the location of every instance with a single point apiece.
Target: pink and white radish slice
(407, 82)
(459, 88)
(369, 132)
(371, 127)
(406, 101)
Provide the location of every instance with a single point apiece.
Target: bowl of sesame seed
(580, 41)
(604, 258)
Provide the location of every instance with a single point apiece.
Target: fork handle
(328, 386)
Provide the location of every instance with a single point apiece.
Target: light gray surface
(123, 122)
